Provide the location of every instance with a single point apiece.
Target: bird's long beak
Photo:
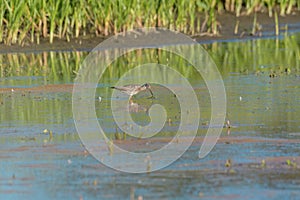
(151, 93)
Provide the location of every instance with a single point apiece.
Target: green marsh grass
(27, 21)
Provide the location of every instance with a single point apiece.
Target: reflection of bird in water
(134, 89)
(134, 107)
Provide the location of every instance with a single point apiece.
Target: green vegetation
(29, 21)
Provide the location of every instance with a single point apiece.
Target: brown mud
(43, 88)
(268, 162)
(155, 143)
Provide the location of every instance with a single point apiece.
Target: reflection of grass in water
(262, 56)
(35, 109)
(257, 55)
(28, 21)
(248, 56)
(56, 66)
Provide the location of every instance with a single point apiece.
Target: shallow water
(262, 145)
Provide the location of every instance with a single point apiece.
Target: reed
(254, 26)
(27, 21)
(270, 5)
(236, 27)
(276, 23)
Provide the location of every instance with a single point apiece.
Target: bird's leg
(130, 100)
(152, 96)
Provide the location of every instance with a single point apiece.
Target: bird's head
(146, 86)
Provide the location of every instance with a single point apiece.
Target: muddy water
(258, 157)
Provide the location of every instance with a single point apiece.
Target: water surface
(263, 93)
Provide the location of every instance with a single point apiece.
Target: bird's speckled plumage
(133, 89)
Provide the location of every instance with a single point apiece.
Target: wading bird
(134, 89)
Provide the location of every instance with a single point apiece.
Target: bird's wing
(126, 87)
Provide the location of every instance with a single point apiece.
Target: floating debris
(228, 163)
(149, 163)
(267, 108)
(272, 75)
(227, 124)
(45, 131)
(132, 190)
(263, 163)
(291, 163)
(124, 136)
(170, 121)
(95, 182)
(118, 135)
(85, 152)
(110, 145)
(50, 135)
(140, 197)
(205, 123)
(25, 139)
(287, 70)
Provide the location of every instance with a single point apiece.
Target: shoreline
(227, 21)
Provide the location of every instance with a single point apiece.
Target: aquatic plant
(149, 163)
(118, 135)
(291, 163)
(263, 163)
(110, 145)
(29, 21)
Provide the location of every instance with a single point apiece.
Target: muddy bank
(266, 26)
(43, 88)
(227, 22)
(285, 163)
(156, 143)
